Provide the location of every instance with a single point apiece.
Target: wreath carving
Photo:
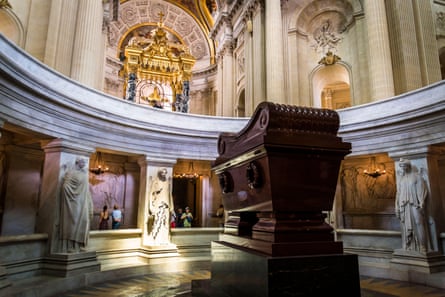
(254, 175)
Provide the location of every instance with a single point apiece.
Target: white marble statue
(76, 209)
(411, 208)
(161, 207)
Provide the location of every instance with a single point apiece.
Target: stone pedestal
(278, 177)
(406, 261)
(238, 271)
(66, 265)
(160, 251)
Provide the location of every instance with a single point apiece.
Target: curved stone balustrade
(405, 124)
(35, 97)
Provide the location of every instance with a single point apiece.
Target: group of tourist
(181, 218)
(116, 218)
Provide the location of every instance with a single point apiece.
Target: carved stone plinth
(408, 261)
(70, 264)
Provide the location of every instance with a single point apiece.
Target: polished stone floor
(179, 284)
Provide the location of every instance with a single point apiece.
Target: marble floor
(179, 284)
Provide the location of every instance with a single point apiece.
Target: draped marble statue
(76, 208)
(411, 208)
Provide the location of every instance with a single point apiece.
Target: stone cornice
(38, 99)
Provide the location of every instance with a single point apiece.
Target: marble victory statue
(278, 176)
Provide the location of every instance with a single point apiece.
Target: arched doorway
(241, 107)
(331, 87)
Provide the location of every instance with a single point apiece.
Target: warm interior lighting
(189, 174)
(98, 166)
(373, 171)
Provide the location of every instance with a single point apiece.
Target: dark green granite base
(237, 271)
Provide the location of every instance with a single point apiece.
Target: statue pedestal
(69, 264)
(430, 262)
(159, 251)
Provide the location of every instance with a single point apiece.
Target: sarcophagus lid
(286, 159)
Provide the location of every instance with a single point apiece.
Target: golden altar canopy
(152, 58)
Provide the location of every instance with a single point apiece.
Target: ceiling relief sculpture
(135, 14)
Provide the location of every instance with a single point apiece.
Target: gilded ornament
(5, 4)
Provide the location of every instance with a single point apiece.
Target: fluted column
(381, 75)
(228, 80)
(258, 61)
(87, 63)
(249, 107)
(60, 38)
(219, 85)
(274, 52)
(429, 58)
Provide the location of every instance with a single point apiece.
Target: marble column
(381, 75)
(88, 55)
(149, 173)
(219, 84)
(274, 52)
(228, 80)
(430, 259)
(429, 58)
(248, 55)
(258, 62)
(60, 38)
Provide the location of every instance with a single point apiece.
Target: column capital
(57, 145)
(416, 153)
(155, 161)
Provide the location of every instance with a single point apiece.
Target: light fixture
(98, 166)
(372, 170)
(189, 174)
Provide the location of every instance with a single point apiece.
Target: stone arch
(442, 61)
(11, 26)
(337, 77)
(241, 106)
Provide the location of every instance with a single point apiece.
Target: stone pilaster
(228, 80)
(88, 60)
(429, 58)
(149, 172)
(60, 40)
(380, 67)
(258, 63)
(59, 155)
(248, 50)
(404, 45)
(274, 52)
